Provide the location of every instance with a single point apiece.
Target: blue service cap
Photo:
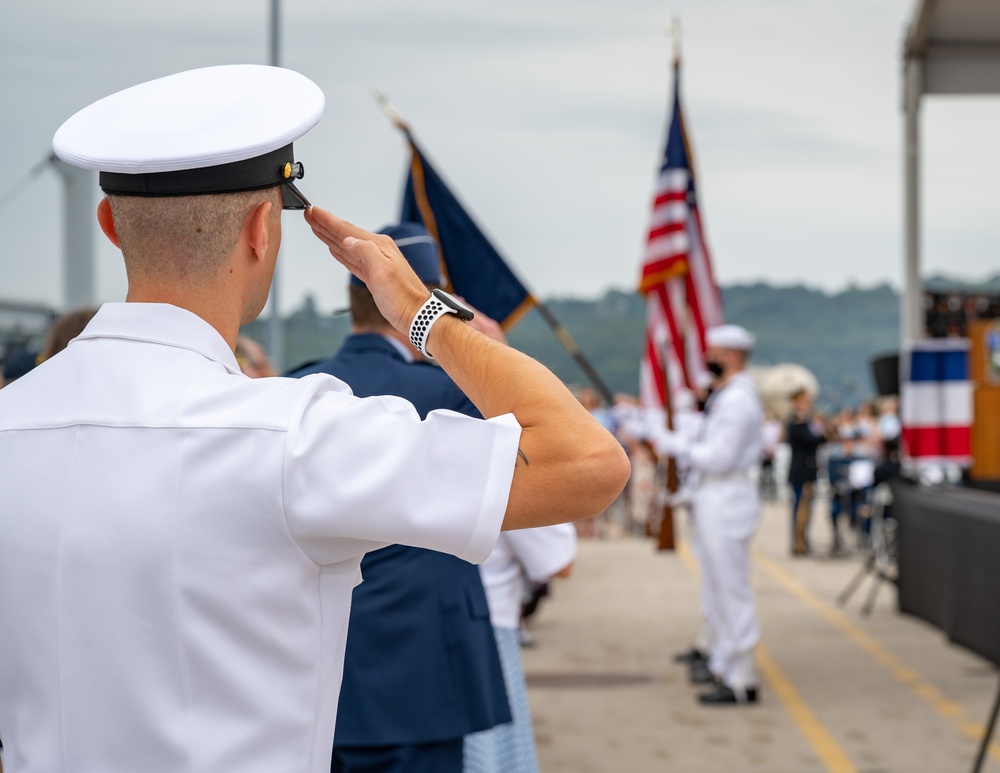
(419, 249)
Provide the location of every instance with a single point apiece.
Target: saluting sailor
(726, 508)
(180, 542)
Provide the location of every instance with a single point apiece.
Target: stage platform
(949, 562)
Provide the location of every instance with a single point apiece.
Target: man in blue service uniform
(421, 668)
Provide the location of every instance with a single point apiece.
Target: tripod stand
(880, 553)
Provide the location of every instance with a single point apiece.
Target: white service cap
(730, 337)
(213, 130)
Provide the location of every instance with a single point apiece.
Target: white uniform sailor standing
(726, 508)
(178, 542)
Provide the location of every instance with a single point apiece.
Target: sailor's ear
(107, 222)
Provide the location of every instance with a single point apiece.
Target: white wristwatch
(435, 307)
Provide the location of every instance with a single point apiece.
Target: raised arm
(568, 467)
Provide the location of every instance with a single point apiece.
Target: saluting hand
(375, 260)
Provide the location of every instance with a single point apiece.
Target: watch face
(462, 311)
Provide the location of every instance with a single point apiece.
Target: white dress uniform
(650, 423)
(179, 545)
(726, 508)
(688, 424)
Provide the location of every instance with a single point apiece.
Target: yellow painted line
(899, 670)
(832, 756)
(685, 553)
(834, 759)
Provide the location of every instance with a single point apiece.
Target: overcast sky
(547, 118)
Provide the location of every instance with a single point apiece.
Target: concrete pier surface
(840, 692)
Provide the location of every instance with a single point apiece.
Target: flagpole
(550, 319)
(666, 539)
(276, 329)
(390, 111)
(574, 351)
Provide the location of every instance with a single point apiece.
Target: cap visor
(292, 198)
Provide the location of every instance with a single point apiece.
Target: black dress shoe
(690, 656)
(700, 674)
(723, 694)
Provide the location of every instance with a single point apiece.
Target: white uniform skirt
(507, 748)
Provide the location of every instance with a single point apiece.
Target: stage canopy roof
(959, 43)
(952, 47)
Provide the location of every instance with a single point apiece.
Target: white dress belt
(728, 477)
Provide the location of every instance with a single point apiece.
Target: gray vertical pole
(912, 311)
(276, 343)
(79, 286)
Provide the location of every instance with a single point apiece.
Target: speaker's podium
(984, 364)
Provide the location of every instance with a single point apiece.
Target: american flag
(682, 299)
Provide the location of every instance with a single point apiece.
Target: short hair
(192, 235)
(364, 312)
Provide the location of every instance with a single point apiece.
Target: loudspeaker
(885, 373)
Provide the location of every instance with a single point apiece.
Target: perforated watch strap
(420, 328)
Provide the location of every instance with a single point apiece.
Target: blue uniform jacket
(421, 663)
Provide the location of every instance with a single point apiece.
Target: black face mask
(702, 404)
(714, 367)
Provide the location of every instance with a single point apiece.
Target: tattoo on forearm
(523, 457)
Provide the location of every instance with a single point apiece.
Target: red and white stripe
(703, 295)
(683, 299)
(663, 277)
(661, 356)
(936, 410)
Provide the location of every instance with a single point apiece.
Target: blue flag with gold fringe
(471, 266)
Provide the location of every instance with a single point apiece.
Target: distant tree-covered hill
(834, 335)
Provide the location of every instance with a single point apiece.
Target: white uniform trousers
(726, 514)
(709, 622)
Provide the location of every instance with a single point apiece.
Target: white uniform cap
(213, 130)
(730, 337)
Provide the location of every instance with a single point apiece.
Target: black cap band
(275, 168)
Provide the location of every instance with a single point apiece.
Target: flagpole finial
(390, 112)
(675, 34)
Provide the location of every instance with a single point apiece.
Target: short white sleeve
(543, 551)
(361, 473)
(539, 553)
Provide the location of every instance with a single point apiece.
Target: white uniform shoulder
(543, 551)
(538, 553)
